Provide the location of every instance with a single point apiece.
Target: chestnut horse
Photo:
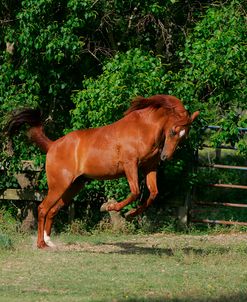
(149, 132)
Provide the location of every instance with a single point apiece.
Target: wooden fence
(27, 179)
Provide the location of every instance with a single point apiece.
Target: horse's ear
(194, 116)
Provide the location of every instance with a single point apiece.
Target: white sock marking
(47, 240)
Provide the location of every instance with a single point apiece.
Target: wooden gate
(197, 208)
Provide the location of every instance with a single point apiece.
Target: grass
(108, 267)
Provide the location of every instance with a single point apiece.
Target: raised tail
(32, 117)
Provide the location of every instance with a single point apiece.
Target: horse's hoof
(42, 245)
(130, 214)
(103, 208)
(49, 243)
(107, 206)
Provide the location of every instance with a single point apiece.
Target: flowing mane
(166, 102)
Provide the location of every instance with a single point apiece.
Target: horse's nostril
(163, 157)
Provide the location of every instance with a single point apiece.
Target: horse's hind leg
(49, 221)
(75, 187)
(50, 200)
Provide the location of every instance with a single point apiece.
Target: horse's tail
(32, 117)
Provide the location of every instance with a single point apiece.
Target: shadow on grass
(135, 248)
(239, 297)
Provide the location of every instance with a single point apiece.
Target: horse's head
(174, 134)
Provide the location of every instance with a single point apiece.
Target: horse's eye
(173, 132)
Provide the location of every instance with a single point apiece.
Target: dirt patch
(91, 248)
(154, 244)
(224, 238)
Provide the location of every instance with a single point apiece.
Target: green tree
(93, 57)
(213, 73)
(104, 99)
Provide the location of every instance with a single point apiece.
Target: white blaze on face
(182, 133)
(47, 240)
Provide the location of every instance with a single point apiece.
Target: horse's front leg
(151, 181)
(131, 172)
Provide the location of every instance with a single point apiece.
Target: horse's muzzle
(164, 156)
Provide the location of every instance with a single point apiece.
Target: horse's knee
(135, 192)
(52, 213)
(136, 195)
(153, 194)
(42, 212)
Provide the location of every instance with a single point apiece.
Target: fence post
(183, 216)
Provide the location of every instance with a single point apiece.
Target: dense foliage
(214, 70)
(92, 57)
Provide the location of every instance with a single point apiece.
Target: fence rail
(227, 186)
(226, 222)
(244, 168)
(226, 204)
(211, 127)
(22, 194)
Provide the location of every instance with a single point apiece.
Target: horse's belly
(105, 176)
(102, 170)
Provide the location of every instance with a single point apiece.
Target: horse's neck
(155, 122)
(156, 118)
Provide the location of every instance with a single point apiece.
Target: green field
(107, 267)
